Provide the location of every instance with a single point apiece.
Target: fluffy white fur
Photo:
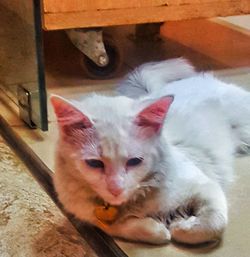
(178, 191)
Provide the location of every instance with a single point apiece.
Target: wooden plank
(54, 21)
(55, 6)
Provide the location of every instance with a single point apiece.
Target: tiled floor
(218, 44)
(241, 22)
(30, 223)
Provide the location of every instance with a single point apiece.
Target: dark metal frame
(40, 65)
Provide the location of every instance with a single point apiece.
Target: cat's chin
(116, 202)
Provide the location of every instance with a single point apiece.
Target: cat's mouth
(111, 200)
(149, 185)
(117, 201)
(136, 196)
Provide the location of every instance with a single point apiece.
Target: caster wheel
(92, 70)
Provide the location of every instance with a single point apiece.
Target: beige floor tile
(30, 223)
(9, 110)
(42, 143)
(242, 21)
(239, 77)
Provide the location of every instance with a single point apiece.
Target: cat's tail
(150, 77)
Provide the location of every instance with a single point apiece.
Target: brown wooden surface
(222, 43)
(55, 6)
(185, 10)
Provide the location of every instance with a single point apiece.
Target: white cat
(162, 156)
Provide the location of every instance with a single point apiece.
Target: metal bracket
(90, 42)
(25, 106)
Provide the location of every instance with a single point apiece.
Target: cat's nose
(115, 185)
(115, 191)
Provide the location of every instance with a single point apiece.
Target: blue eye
(134, 161)
(93, 163)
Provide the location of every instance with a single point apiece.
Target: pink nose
(115, 185)
(115, 191)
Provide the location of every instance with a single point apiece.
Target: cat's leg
(236, 104)
(209, 221)
(241, 126)
(241, 132)
(145, 230)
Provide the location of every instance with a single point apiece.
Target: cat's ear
(151, 118)
(68, 115)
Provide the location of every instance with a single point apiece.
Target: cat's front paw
(192, 231)
(146, 230)
(155, 232)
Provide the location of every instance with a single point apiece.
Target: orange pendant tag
(106, 213)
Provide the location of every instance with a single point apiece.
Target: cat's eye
(134, 161)
(93, 163)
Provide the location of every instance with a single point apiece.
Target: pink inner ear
(153, 116)
(67, 114)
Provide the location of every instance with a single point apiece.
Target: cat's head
(112, 141)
